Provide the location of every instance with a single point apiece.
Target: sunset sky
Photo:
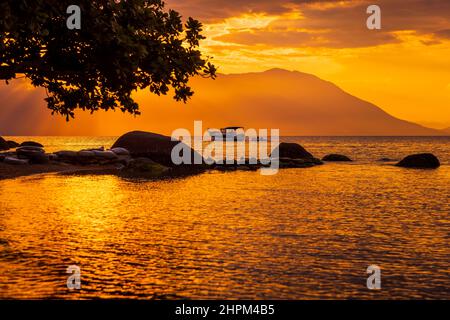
(404, 68)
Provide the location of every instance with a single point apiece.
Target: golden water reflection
(307, 233)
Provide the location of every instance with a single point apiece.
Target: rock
(15, 161)
(25, 150)
(34, 154)
(12, 144)
(293, 151)
(422, 160)
(3, 144)
(120, 151)
(105, 155)
(150, 145)
(145, 168)
(85, 157)
(53, 157)
(2, 157)
(39, 158)
(336, 158)
(67, 156)
(385, 160)
(299, 163)
(31, 144)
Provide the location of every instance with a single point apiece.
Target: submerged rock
(422, 160)
(145, 168)
(152, 146)
(386, 160)
(31, 144)
(336, 158)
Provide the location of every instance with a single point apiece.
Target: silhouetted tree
(122, 46)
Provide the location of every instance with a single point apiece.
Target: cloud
(333, 24)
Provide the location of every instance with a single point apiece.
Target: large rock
(336, 158)
(422, 160)
(150, 145)
(293, 151)
(31, 144)
(12, 144)
(3, 144)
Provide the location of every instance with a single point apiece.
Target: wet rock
(293, 151)
(15, 161)
(12, 144)
(67, 156)
(105, 155)
(31, 144)
(336, 158)
(36, 155)
(422, 160)
(120, 151)
(145, 168)
(85, 157)
(152, 146)
(3, 144)
(299, 163)
(53, 157)
(386, 160)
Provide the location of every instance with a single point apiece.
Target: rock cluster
(148, 155)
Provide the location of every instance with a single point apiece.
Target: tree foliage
(122, 46)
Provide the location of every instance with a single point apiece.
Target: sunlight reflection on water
(301, 234)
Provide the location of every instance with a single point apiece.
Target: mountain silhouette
(300, 104)
(296, 103)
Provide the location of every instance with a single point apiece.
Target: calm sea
(301, 234)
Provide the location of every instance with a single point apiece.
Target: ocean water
(300, 234)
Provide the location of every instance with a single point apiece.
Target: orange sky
(404, 68)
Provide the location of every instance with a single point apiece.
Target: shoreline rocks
(420, 161)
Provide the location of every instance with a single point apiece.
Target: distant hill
(294, 102)
(298, 103)
(446, 131)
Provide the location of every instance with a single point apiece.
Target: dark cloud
(444, 34)
(336, 24)
(219, 9)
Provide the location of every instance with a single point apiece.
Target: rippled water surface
(301, 234)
